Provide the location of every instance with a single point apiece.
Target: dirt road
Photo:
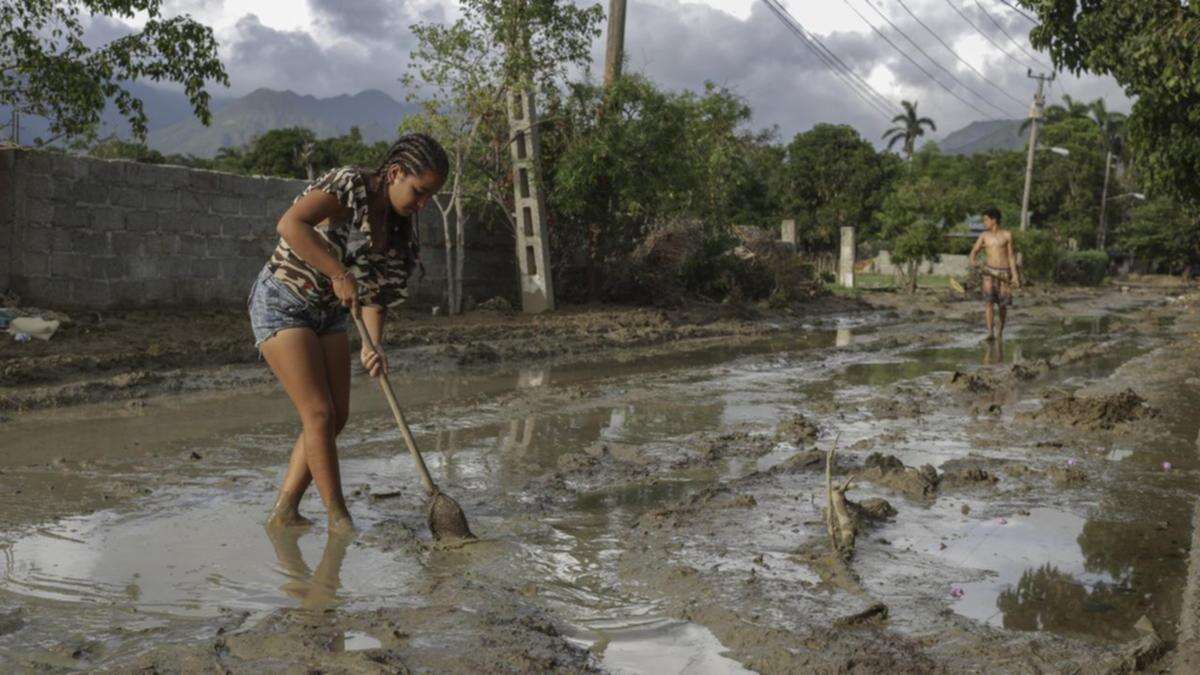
(649, 487)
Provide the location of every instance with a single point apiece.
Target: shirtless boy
(1000, 271)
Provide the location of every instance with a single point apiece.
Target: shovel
(445, 517)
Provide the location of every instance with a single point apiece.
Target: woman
(346, 245)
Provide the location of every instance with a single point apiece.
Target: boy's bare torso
(996, 246)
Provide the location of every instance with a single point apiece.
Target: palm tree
(909, 129)
(1112, 130)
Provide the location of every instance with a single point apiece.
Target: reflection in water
(1048, 599)
(844, 337)
(316, 590)
(529, 378)
(994, 352)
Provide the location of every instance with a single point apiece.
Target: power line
(796, 28)
(966, 63)
(985, 35)
(1018, 10)
(839, 68)
(935, 62)
(914, 62)
(1007, 35)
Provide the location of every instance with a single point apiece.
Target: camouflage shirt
(382, 277)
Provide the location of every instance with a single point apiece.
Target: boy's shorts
(997, 286)
(274, 307)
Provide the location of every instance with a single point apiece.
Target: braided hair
(415, 154)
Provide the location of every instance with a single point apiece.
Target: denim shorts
(274, 307)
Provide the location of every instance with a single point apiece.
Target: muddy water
(192, 549)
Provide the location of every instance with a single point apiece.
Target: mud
(654, 506)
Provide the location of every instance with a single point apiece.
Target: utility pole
(616, 42)
(1102, 231)
(529, 198)
(1036, 110)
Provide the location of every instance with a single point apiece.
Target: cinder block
(86, 242)
(43, 291)
(34, 239)
(231, 226)
(66, 166)
(191, 246)
(157, 245)
(206, 181)
(31, 264)
(106, 218)
(158, 291)
(162, 200)
(126, 244)
(193, 202)
(206, 224)
(127, 293)
(69, 266)
(40, 211)
(112, 268)
(224, 205)
(141, 175)
(128, 197)
(90, 190)
(91, 293)
(142, 221)
(69, 217)
(222, 248)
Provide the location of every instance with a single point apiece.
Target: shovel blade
(447, 520)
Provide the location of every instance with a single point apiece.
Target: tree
(835, 178)
(115, 148)
(1161, 233)
(495, 46)
(911, 217)
(46, 69)
(911, 128)
(290, 152)
(1152, 48)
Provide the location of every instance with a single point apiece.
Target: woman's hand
(346, 289)
(374, 362)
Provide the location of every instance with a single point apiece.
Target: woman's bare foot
(285, 513)
(341, 524)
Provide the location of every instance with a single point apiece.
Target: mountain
(162, 107)
(238, 121)
(979, 137)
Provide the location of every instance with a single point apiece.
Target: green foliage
(834, 178)
(1152, 49)
(115, 148)
(909, 130)
(1082, 268)
(1162, 234)
(1039, 254)
(47, 70)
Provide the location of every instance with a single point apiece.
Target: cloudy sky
(329, 47)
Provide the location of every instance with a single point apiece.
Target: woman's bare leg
(297, 358)
(286, 512)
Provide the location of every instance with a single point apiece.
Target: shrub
(1084, 268)
(1039, 254)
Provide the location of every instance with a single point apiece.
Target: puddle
(668, 648)
(352, 641)
(198, 550)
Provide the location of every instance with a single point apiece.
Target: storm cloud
(681, 45)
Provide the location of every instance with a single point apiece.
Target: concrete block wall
(953, 265)
(79, 232)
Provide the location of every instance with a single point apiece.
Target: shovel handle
(395, 406)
